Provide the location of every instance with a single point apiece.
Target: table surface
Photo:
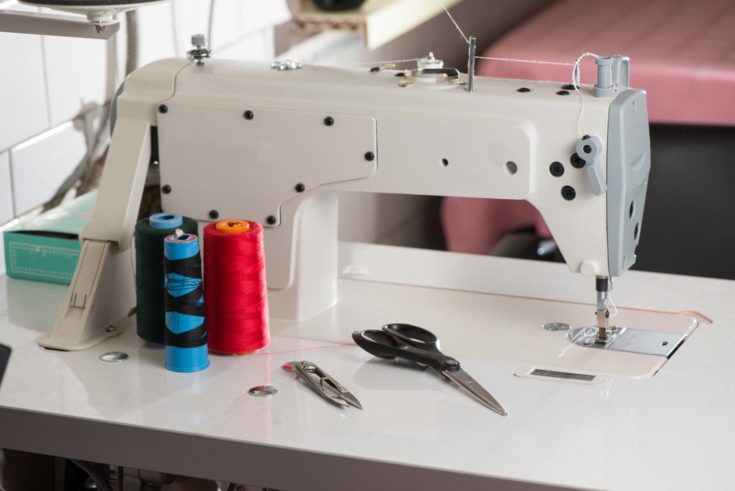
(674, 430)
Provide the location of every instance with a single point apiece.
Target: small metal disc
(114, 356)
(263, 391)
(557, 326)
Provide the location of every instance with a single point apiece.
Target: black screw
(163, 109)
(271, 220)
(636, 230)
(568, 87)
(445, 162)
(587, 149)
(556, 169)
(400, 74)
(165, 189)
(329, 120)
(568, 193)
(214, 214)
(375, 69)
(524, 89)
(249, 115)
(300, 188)
(631, 210)
(577, 161)
(563, 92)
(369, 156)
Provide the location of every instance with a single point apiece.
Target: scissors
(421, 346)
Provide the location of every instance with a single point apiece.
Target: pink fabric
(475, 225)
(682, 52)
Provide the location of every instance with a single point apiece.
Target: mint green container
(46, 247)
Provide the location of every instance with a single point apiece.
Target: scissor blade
(337, 391)
(350, 399)
(328, 395)
(473, 387)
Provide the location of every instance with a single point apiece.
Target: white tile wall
(23, 108)
(45, 82)
(2, 262)
(255, 46)
(155, 29)
(6, 197)
(6, 202)
(75, 74)
(41, 165)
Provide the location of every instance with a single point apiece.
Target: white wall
(46, 82)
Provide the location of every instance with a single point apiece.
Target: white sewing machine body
(238, 140)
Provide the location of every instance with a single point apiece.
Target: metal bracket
(55, 25)
(471, 64)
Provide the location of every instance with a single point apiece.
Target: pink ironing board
(682, 53)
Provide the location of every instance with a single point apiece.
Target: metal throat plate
(658, 343)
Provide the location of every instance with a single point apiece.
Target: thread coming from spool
(235, 292)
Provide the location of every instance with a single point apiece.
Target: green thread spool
(149, 288)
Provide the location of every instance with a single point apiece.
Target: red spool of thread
(235, 292)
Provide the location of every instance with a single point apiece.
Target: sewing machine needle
(473, 387)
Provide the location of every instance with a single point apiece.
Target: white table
(675, 430)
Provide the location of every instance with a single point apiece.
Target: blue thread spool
(186, 332)
(166, 220)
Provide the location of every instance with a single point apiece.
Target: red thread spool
(235, 292)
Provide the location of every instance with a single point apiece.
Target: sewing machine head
(244, 140)
(275, 143)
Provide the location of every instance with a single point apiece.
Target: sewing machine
(275, 144)
(240, 140)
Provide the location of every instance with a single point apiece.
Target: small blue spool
(165, 220)
(186, 335)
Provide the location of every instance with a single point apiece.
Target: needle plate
(659, 343)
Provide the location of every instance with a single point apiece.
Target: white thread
(446, 10)
(382, 63)
(518, 60)
(576, 74)
(612, 304)
(611, 301)
(576, 70)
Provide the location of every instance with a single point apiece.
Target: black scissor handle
(385, 344)
(377, 343)
(414, 335)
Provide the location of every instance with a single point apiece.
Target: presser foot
(659, 343)
(603, 335)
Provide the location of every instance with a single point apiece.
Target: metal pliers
(322, 383)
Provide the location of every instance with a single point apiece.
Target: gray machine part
(628, 165)
(613, 74)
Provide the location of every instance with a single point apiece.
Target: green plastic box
(46, 247)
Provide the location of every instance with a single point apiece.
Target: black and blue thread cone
(149, 235)
(186, 330)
